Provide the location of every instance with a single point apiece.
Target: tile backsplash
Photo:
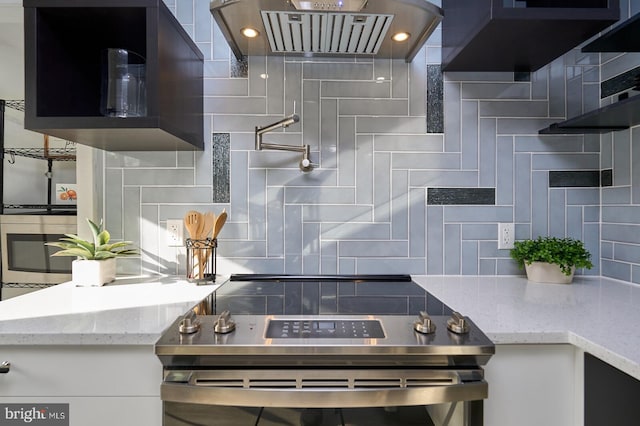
(382, 132)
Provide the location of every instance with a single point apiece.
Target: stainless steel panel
(305, 32)
(322, 388)
(418, 17)
(248, 344)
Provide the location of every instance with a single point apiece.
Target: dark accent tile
(220, 158)
(463, 196)
(606, 177)
(582, 178)
(619, 83)
(239, 69)
(521, 76)
(435, 99)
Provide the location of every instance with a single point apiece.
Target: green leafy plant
(99, 249)
(564, 252)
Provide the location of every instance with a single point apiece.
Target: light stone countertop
(131, 310)
(597, 315)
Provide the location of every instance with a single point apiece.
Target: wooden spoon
(219, 223)
(191, 223)
(199, 234)
(209, 219)
(194, 223)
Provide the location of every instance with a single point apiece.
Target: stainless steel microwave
(25, 257)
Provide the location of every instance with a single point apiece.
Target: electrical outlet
(175, 233)
(506, 235)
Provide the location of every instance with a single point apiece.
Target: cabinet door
(80, 371)
(533, 385)
(610, 395)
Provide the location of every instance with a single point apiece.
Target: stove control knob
(458, 324)
(189, 324)
(424, 324)
(224, 324)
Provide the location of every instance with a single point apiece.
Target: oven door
(324, 397)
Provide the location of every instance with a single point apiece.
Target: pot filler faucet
(305, 164)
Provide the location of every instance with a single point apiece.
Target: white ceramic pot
(542, 272)
(93, 272)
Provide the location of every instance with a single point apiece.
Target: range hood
(335, 28)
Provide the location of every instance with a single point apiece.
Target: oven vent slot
(271, 384)
(220, 383)
(326, 383)
(421, 383)
(304, 32)
(377, 383)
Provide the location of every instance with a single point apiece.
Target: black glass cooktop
(257, 294)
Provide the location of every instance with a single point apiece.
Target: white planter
(542, 272)
(93, 272)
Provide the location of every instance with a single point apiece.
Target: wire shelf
(70, 207)
(58, 154)
(15, 104)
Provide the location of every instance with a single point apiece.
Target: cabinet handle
(5, 367)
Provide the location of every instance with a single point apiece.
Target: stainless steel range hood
(335, 28)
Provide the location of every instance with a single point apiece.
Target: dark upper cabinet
(512, 35)
(623, 113)
(65, 41)
(622, 38)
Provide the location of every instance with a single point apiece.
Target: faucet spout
(285, 122)
(305, 163)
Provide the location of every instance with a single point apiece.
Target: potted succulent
(551, 259)
(96, 260)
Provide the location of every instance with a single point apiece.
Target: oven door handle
(323, 397)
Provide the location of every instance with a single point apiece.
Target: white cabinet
(104, 385)
(529, 385)
(533, 385)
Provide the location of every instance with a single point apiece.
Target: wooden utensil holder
(201, 259)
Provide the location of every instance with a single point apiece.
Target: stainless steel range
(324, 350)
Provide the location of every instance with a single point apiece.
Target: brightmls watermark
(34, 414)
